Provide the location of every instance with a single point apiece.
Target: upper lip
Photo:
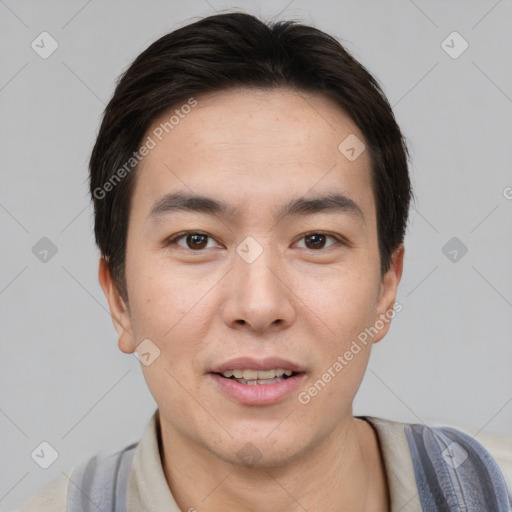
(250, 363)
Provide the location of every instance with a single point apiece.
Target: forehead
(263, 145)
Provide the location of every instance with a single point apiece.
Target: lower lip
(259, 394)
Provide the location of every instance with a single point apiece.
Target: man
(251, 196)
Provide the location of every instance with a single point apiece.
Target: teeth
(257, 374)
(256, 382)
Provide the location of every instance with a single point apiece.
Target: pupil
(315, 243)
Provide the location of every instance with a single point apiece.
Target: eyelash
(175, 238)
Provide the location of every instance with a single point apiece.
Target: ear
(118, 310)
(388, 289)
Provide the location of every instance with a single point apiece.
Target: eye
(194, 240)
(316, 240)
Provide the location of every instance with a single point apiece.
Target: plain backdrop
(447, 358)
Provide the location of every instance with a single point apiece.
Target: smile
(257, 377)
(275, 386)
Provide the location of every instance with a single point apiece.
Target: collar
(148, 490)
(398, 465)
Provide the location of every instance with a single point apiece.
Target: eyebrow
(300, 206)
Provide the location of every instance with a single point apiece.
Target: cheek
(173, 311)
(174, 320)
(345, 303)
(161, 296)
(344, 299)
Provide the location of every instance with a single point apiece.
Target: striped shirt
(148, 491)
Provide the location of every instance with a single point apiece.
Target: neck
(342, 472)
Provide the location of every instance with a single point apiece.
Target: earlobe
(119, 311)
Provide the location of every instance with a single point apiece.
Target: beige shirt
(148, 490)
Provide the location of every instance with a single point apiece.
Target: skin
(256, 150)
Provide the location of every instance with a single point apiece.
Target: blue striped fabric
(454, 472)
(101, 484)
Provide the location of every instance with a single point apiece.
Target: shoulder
(451, 468)
(98, 478)
(51, 498)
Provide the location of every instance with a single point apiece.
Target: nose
(259, 296)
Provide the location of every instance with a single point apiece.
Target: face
(273, 266)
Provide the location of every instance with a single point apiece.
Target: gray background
(448, 355)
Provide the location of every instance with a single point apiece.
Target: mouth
(258, 382)
(258, 377)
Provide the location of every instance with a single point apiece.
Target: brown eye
(315, 241)
(318, 241)
(196, 241)
(192, 240)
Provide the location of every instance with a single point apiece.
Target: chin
(263, 449)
